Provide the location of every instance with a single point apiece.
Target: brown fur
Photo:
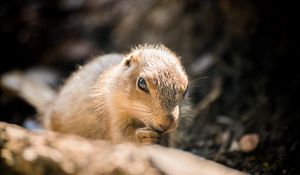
(101, 100)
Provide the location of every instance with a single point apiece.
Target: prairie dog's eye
(142, 84)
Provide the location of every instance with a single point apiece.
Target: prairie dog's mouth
(157, 129)
(138, 124)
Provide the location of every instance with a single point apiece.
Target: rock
(248, 142)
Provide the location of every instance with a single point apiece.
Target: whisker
(139, 109)
(199, 78)
(146, 112)
(146, 116)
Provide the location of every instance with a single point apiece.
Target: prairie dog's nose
(169, 123)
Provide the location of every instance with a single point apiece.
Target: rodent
(136, 97)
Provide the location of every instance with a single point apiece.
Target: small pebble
(248, 142)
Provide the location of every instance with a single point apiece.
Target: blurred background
(239, 55)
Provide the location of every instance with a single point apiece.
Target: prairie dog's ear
(131, 58)
(127, 61)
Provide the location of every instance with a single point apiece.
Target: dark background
(246, 49)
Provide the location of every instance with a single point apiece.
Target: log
(47, 152)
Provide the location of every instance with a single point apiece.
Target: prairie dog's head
(153, 84)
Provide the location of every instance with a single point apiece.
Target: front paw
(147, 136)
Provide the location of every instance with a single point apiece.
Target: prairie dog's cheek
(139, 110)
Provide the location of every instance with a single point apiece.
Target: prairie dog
(136, 97)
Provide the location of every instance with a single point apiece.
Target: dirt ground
(240, 57)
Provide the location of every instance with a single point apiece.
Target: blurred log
(47, 152)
